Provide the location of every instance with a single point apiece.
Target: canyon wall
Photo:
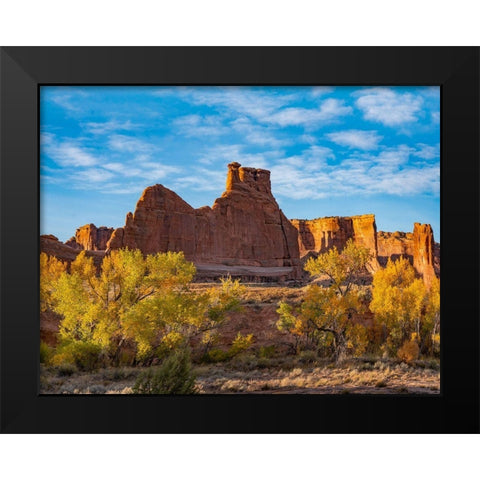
(321, 234)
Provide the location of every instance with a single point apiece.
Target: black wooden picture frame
(455, 410)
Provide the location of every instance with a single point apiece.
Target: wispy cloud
(71, 102)
(201, 179)
(200, 126)
(155, 171)
(66, 152)
(388, 107)
(224, 154)
(389, 172)
(102, 128)
(91, 175)
(316, 92)
(130, 144)
(330, 110)
(258, 134)
(251, 102)
(361, 139)
(427, 152)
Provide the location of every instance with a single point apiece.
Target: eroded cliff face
(89, 237)
(423, 251)
(394, 245)
(245, 226)
(321, 234)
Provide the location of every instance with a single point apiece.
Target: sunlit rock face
(89, 237)
(244, 226)
(423, 251)
(321, 234)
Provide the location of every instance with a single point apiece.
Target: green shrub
(46, 353)
(66, 369)
(240, 344)
(173, 377)
(84, 355)
(306, 357)
(267, 352)
(216, 355)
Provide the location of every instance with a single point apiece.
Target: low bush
(84, 355)
(306, 357)
(173, 377)
(409, 351)
(267, 351)
(46, 353)
(216, 355)
(66, 369)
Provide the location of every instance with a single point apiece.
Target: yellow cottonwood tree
(50, 270)
(329, 310)
(145, 300)
(400, 300)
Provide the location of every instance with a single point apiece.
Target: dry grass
(330, 380)
(274, 376)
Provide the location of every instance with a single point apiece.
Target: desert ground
(253, 375)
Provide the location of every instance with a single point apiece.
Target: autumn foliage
(143, 303)
(406, 319)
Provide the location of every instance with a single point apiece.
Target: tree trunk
(340, 347)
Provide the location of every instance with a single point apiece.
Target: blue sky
(331, 150)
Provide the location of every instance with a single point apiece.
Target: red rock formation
(394, 245)
(419, 247)
(50, 245)
(89, 237)
(423, 246)
(245, 226)
(321, 234)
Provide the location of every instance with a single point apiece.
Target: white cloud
(123, 169)
(154, 171)
(71, 102)
(225, 154)
(66, 153)
(258, 134)
(361, 139)
(200, 126)
(306, 138)
(240, 100)
(389, 172)
(388, 107)
(330, 110)
(101, 128)
(202, 179)
(427, 152)
(95, 175)
(129, 144)
(321, 91)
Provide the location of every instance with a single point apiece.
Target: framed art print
(245, 238)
